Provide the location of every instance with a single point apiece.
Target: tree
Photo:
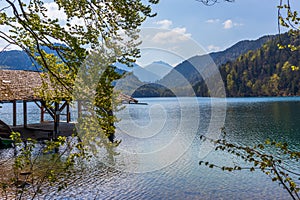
(259, 159)
(271, 165)
(68, 50)
(86, 24)
(288, 18)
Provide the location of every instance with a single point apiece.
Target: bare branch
(212, 2)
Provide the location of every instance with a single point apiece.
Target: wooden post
(79, 108)
(25, 113)
(42, 113)
(14, 113)
(68, 113)
(56, 119)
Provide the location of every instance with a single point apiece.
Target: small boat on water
(5, 131)
(6, 143)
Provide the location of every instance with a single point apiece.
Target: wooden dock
(44, 130)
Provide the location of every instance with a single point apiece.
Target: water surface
(161, 142)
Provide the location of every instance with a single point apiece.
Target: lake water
(161, 149)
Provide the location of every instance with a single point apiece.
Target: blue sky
(210, 28)
(220, 26)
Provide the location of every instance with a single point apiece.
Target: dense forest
(263, 71)
(268, 71)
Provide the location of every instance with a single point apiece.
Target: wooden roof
(127, 99)
(22, 85)
(19, 85)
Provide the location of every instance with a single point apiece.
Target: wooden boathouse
(17, 86)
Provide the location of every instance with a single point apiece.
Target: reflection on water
(145, 129)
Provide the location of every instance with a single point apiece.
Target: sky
(212, 28)
(184, 28)
(221, 25)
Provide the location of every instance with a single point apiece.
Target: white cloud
(213, 48)
(228, 24)
(53, 11)
(211, 21)
(166, 24)
(172, 35)
(175, 35)
(171, 46)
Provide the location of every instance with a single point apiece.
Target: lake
(160, 150)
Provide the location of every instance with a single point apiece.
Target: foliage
(85, 24)
(81, 45)
(261, 159)
(249, 68)
(36, 165)
(289, 19)
(95, 92)
(268, 71)
(60, 45)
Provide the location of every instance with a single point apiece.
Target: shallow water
(161, 149)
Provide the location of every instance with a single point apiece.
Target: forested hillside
(268, 71)
(264, 70)
(248, 68)
(187, 72)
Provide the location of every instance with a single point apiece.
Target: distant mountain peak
(161, 62)
(159, 68)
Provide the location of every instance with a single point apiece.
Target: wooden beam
(42, 114)
(38, 105)
(25, 114)
(14, 113)
(50, 111)
(63, 106)
(56, 120)
(68, 113)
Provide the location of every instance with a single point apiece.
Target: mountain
(140, 81)
(267, 71)
(152, 90)
(128, 84)
(144, 75)
(125, 67)
(132, 85)
(16, 60)
(233, 52)
(187, 72)
(159, 68)
(19, 60)
(248, 68)
(141, 73)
